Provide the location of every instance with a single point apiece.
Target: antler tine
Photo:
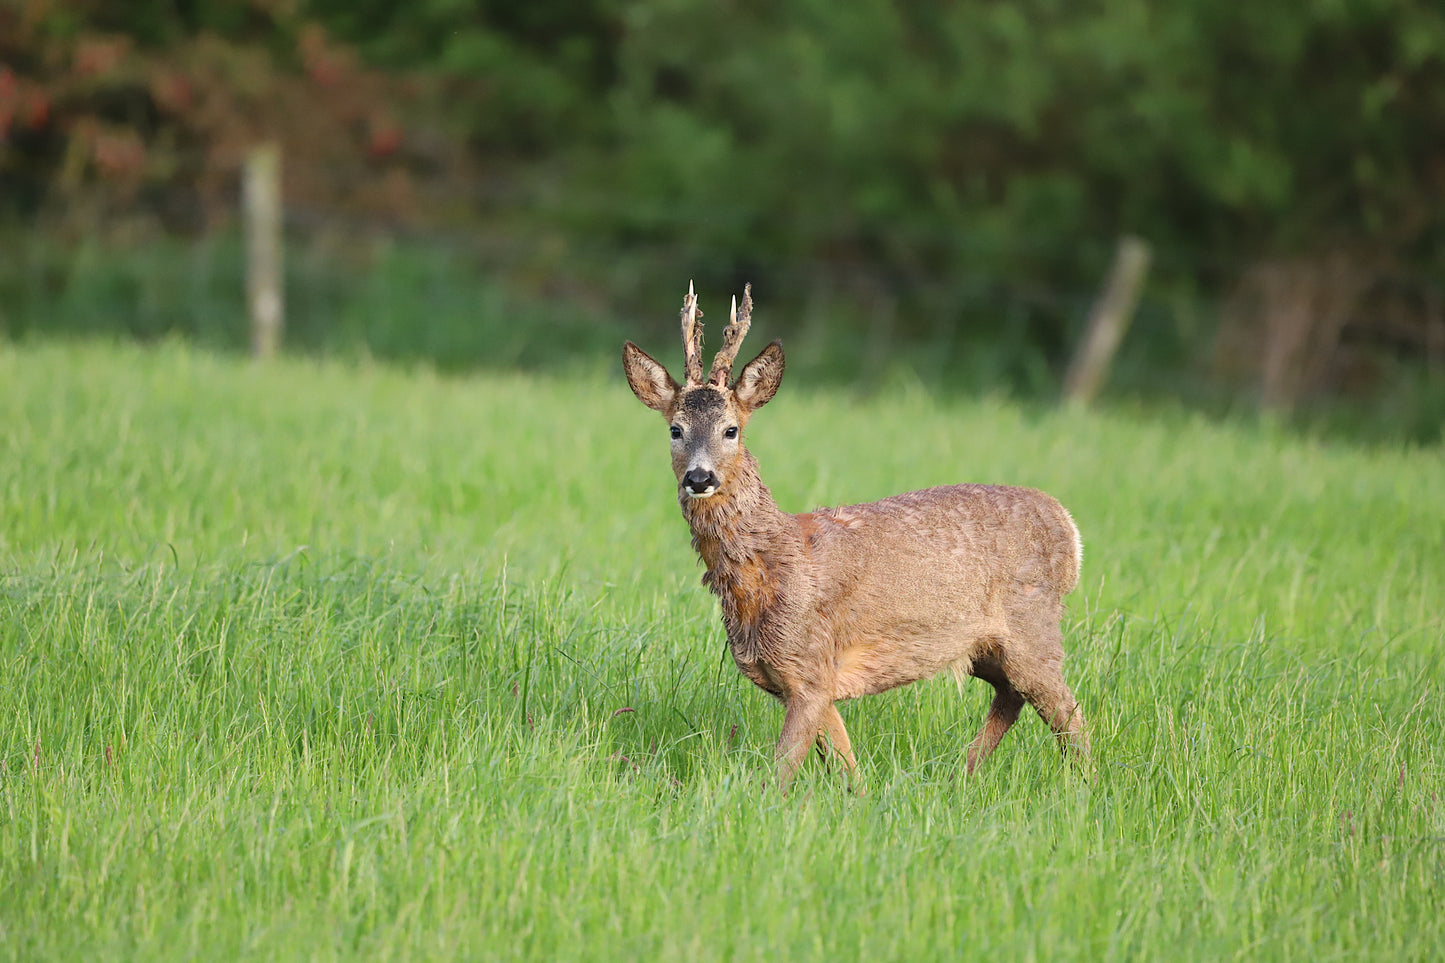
(733, 334)
(691, 338)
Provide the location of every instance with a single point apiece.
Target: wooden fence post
(265, 295)
(1108, 320)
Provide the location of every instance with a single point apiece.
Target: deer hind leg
(1002, 713)
(833, 740)
(1034, 666)
(1042, 684)
(1057, 707)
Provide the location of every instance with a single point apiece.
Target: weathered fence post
(265, 299)
(1108, 320)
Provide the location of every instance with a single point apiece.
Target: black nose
(699, 480)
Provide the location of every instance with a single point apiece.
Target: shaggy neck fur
(749, 546)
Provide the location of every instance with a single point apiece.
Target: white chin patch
(703, 494)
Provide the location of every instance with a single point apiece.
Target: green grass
(323, 661)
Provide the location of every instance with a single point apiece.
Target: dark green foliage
(532, 73)
(937, 184)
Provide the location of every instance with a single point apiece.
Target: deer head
(706, 416)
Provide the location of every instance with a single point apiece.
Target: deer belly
(876, 663)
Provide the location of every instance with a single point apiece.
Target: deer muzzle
(699, 482)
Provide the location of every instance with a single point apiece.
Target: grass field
(325, 661)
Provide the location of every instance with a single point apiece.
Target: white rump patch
(1078, 545)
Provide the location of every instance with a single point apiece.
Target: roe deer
(843, 602)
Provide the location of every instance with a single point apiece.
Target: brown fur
(843, 602)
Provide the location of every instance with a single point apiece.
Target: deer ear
(649, 380)
(760, 378)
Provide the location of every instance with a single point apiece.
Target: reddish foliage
(24, 104)
(110, 125)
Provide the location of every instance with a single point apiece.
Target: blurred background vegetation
(926, 191)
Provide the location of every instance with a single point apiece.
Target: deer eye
(732, 432)
(676, 432)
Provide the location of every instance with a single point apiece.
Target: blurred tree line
(953, 175)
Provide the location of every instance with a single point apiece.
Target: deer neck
(748, 545)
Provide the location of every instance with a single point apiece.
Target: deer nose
(699, 481)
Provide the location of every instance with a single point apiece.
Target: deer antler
(733, 334)
(691, 338)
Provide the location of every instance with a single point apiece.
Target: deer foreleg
(834, 737)
(802, 726)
